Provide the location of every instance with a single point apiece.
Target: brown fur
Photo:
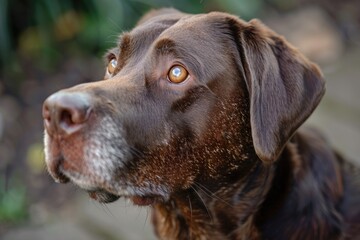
(217, 156)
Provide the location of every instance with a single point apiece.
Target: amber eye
(112, 65)
(177, 74)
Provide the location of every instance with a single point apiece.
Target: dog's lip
(102, 193)
(103, 196)
(143, 200)
(56, 170)
(61, 178)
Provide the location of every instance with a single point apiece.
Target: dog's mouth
(104, 179)
(103, 196)
(100, 191)
(144, 200)
(107, 194)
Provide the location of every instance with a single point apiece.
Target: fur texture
(217, 156)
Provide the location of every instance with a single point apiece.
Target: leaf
(35, 158)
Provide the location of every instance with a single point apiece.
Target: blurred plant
(13, 207)
(35, 158)
(44, 30)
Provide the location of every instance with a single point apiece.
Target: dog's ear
(284, 87)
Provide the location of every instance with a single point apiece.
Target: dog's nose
(66, 112)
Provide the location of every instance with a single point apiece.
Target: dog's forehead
(195, 40)
(156, 25)
(180, 27)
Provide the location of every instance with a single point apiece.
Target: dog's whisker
(191, 212)
(146, 218)
(204, 203)
(211, 194)
(107, 210)
(136, 152)
(115, 24)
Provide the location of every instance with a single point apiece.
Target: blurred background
(48, 45)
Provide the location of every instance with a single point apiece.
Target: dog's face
(186, 99)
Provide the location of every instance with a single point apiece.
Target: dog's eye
(177, 74)
(112, 65)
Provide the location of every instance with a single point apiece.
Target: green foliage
(41, 28)
(41, 34)
(12, 204)
(35, 158)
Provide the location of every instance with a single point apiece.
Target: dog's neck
(201, 213)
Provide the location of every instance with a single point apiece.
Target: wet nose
(66, 112)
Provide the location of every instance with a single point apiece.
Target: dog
(198, 117)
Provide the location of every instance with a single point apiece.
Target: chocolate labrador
(198, 117)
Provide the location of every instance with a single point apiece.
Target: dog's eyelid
(110, 56)
(112, 64)
(111, 53)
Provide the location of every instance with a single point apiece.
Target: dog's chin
(143, 200)
(105, 193)
(106, 197)
(103, 196)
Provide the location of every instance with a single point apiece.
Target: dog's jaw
(96, 162)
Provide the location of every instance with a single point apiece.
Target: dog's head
(185, 99)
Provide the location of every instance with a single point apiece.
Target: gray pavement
(86, 219)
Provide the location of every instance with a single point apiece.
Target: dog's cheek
(168, 165)
(190, 114)
(145, 126)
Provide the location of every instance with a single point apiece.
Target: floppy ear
(284, 87)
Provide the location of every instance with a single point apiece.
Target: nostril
(66, 118)
(70, 117)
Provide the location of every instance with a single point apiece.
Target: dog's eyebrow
(124, 41)
(165, 46)
(124, 49)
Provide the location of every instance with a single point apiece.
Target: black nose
(66, 112)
